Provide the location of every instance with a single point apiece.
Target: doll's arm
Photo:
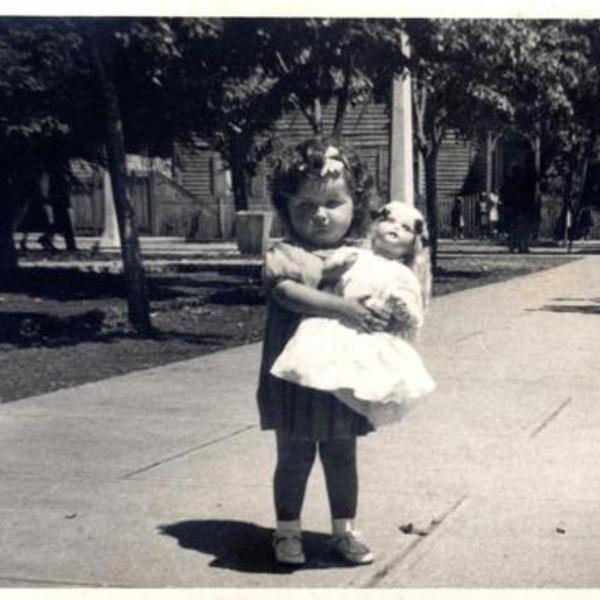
(406, 306)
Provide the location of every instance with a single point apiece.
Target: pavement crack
(550, 418)
(186, 452)
(468, 336)
(47, 582)
(396, 559)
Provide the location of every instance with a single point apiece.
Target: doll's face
(393, 233)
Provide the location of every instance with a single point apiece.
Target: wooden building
(196, 201)
(202, 172)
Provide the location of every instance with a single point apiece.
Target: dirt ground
(60, 326)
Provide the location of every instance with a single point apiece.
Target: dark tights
(295, 458)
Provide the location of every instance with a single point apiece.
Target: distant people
(49, 204)
(38, 215)
(584, 223)
(46, 240)
(59, 201)
(494, 215)
(517, 197)
(568, 226)
(520, 232)
(457, 219)
(482, 217)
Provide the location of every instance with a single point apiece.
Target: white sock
(341, 526)
(288, 526)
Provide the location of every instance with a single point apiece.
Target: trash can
(252, 230)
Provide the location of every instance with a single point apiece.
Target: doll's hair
(312, 158)
(418, 259)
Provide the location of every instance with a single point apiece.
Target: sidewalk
(177, 255)
(161, 478)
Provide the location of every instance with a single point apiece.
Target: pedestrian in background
(482, 217)
(494, 216)
(457, 220)
(584, 223)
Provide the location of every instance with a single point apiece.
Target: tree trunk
(8, 254)
(340, 114)
(318, 116)
(238, 155)
(135, 282)
(430, 160)
(568, 212)
(342, 102)
(69, 230)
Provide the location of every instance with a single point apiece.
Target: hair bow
(334, 163)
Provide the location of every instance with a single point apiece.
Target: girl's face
(321, 211)
(393, 238)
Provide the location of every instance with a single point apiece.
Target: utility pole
(401, 136)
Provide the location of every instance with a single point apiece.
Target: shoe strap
(286, 535)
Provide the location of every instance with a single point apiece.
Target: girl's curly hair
(308, 159)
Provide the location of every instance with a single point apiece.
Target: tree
(99, 39)
(37, 60)
(348, 61)
(240, 90)
(575, 144)
(62, 88)
(489, 75)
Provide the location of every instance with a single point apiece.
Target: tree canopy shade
(476, 76)
(38, 60)
(68, 86)
(59, 95)
(236, 82)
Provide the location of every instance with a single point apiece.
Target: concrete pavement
(161, 478)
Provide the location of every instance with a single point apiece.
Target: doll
(375, 373)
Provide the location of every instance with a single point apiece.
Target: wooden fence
(87, 200)
(165, 208)
(162, 208)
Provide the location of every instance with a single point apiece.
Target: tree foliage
(473, 76)
(239, 76)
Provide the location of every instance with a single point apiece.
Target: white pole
(401, 137)
(110, 235)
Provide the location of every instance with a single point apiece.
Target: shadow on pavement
(582, 309)
(72, 285)
(245, 547)
(24, 329)
(66, 284)
(31, 329)
(591, 306)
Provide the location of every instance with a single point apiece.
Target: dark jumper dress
(284, 406)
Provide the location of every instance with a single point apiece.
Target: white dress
(375, 374)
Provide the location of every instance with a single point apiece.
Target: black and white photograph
(304, 301)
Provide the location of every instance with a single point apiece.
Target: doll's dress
(375, 374)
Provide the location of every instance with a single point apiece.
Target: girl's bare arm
(308, 301)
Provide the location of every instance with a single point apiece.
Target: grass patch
(61, 327)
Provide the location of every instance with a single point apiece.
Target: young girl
(321, 195)
(374, 373)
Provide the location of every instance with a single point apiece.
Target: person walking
(457, 220)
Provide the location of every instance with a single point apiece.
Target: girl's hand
(356, 314)
(309, 302)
